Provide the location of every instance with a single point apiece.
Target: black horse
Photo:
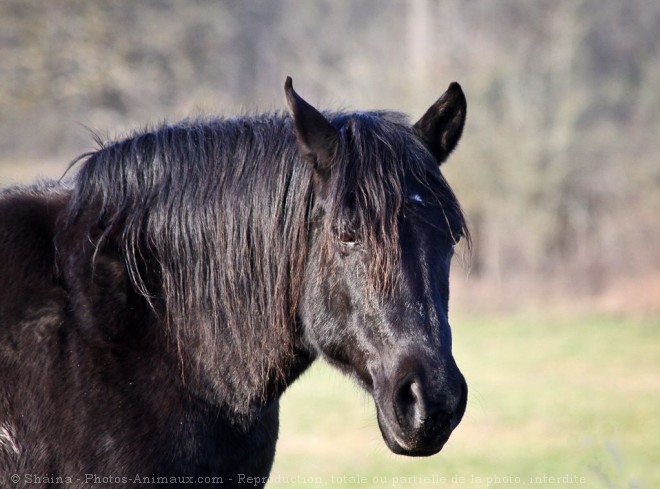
(154, 309)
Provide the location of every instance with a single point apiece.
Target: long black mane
(211, 218)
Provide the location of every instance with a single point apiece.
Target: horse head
(383, 227)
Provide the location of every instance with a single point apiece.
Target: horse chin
(396, 448)
(400, 444)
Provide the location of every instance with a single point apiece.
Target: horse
(155, 306)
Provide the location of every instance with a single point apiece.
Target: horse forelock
(379, 156)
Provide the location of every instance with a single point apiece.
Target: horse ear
(442, 124)
(317, 138)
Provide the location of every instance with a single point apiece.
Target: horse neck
(226, 377)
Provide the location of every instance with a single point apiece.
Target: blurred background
(556, 310)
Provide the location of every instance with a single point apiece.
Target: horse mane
(219, 211)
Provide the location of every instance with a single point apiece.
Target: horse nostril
(409, 404)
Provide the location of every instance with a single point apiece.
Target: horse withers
(154, 308)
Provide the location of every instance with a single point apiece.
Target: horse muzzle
(418, 413)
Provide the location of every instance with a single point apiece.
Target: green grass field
(574, 399)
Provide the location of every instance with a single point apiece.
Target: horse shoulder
(32, 305)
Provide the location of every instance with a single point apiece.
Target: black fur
(153, 310)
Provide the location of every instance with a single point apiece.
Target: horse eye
(347, 237)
